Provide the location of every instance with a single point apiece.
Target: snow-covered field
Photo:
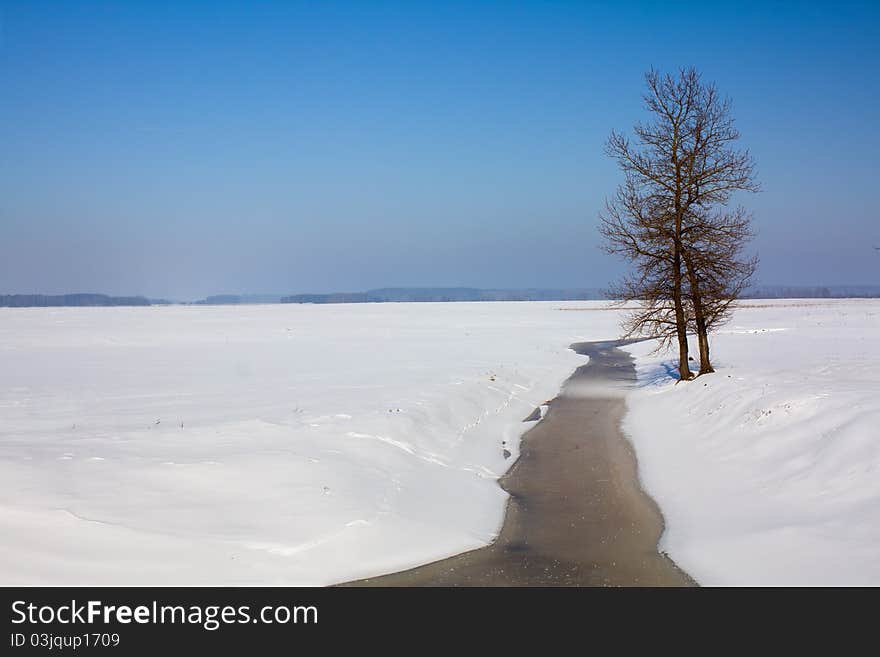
(312, 444)
(768, 472)
(276, 444)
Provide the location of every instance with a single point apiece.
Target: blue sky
(188, 148)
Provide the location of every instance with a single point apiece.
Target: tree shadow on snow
(658, 374)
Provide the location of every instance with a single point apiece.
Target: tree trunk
(705, 363)
(684, 370)
(699, 316)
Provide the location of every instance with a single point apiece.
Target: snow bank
(768, 472)
(276, 444)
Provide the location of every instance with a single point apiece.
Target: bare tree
(714, 239)
(669, 220)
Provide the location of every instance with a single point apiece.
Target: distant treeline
(422, 294)
(441, 294)
(813, 292)
(403, 295)
(408, 294)
(46, 300)
(235, 299)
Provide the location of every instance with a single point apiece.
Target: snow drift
(768, 471)
(279, 444)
